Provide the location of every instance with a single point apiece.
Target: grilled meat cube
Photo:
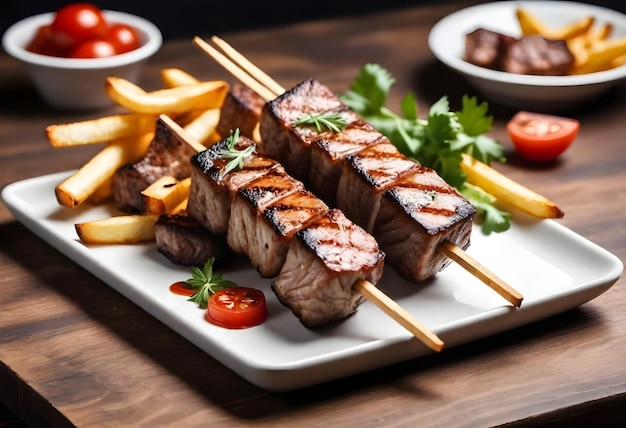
(365, 176)
(186, 242)
(241, 109)
(210, 194)
(538, 55)
(166, 155)
(268, 232)
(289, 144)
(248, 203)
(324, 261)
(418, 213)
(486, 48)
(328, 152)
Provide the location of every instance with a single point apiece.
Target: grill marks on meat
(531, 54)
(322, 265)
(328, 152)
(212, 191)
(246, 209)
(364, 177)
(183, 241)
(409, 209)
(315, 253)
(421, 211)
(289, 144)
(166, 155)
(264, 234)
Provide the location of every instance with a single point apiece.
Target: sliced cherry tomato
(237, 307)
(124, 37)
(94, 49)
(541, 137)
(76, 23)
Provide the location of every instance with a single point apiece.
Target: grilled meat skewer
(324, 244)
(429, 211)
(330, 263)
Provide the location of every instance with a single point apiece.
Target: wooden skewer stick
(479, 271)
(235, 70)
(366, 288)
(252, 69)
(400, 315)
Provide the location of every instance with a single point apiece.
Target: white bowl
(447, 42)
(76, 84)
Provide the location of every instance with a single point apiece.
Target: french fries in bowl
(594, 36)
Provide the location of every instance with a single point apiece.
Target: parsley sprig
(437, 142)
(206, 282)
(324, 121)
(236, 156)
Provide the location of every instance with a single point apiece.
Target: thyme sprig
(236, 156)
(323, 121)
(206, 282)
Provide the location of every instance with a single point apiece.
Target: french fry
(203, 95)
(202, 127)
(182, 206)
(531, 25)
(123, 229)
(174, 77)
(74, 190)
(602, 56)
(507, 190)
(102, 192)
(103, 129)
(165, 194)
(602, 33)
(201, 123)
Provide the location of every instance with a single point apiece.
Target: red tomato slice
(94, 49)
(76, 23)
(541, 137)
(237, 307)
(123, 37)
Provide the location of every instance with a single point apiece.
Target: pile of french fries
(194, 104)
(195, 107)
(591, 44)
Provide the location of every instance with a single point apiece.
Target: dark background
(187, 18)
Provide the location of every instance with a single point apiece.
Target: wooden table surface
(75, 352)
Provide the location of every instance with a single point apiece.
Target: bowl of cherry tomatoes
(69, 53)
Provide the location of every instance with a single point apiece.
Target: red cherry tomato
(76, 23)
(42, 43)
(237, 307)
(541, 137)
(123, 37)
(94, 49)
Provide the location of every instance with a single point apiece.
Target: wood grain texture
(75, 352)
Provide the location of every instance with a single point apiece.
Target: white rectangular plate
(553, 267)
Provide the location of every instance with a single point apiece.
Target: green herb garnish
(237, 157)
(330, 121)
(206, 282)
(437, 142)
